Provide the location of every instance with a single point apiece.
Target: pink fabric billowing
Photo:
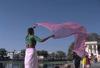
(67, 29)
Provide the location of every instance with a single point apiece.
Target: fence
(43, 64)
(11, 64)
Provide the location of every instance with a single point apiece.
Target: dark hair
(30, 30)
(57, 67)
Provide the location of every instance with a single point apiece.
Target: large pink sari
(67, 29)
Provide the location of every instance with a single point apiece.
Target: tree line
(21, 54)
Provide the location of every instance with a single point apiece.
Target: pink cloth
(67, 29)
(31, 60)
(63, 30)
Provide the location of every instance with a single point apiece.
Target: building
(12, 53)
(92, 48)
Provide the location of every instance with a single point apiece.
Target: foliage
(3, 52)
(43, 53)
(22, 52)
(93, 37)
(69, 55)
(60, 54)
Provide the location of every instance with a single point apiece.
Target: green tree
(60, 53)
(16, 56)
(53, 54)
(3, 52)
(93, 37)
(70, 52)
(42, 53)
(22, 53)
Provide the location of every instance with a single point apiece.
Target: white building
(92, 47)
(12, 53)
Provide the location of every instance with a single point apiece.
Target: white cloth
(31, 60)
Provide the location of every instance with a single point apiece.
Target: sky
(17, 15)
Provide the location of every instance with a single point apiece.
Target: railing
(11, 64)
(42, 64)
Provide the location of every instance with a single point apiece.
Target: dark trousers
(1, 65)
(77, 64)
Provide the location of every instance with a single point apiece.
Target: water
(12, 64)
(20, 64)
(17, 65)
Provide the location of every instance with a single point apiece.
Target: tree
(16, 56)
(3, 52)
(23, 52)
(42, 53)
(70, 52)
(93, 37)
(52, 55)
(60, 54)
(21, 55)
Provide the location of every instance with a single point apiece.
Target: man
(77, 60)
